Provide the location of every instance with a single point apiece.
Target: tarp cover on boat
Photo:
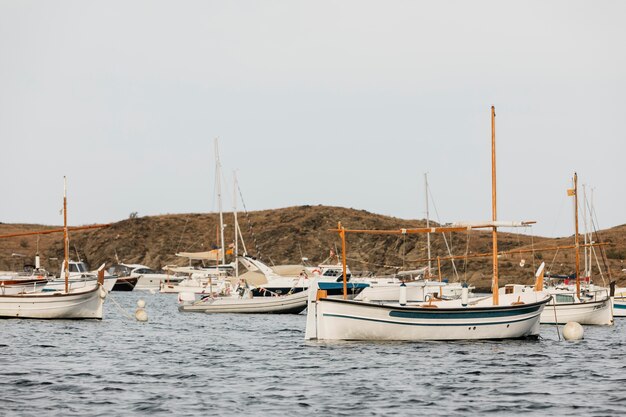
(212, 255)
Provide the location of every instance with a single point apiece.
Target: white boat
(282, 304)
(18, 285)
(619, 307)
(146, 278)
(79, 278)
(80, 304)
(504, 316)
(66, 304)
(619, 302)
(336, 319)
(593, 308)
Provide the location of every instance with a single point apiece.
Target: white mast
(427, 221)
(236, 224)
(218, 179)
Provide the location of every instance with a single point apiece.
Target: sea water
(198, 364)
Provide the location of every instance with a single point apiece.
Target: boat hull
(288, 304)
(619, 307)
(85, 304)
(590, 313)
(333, 319)
(125, 284)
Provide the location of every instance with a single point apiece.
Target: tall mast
(494, 216)
(586, 230)
(236, 223)
(66, 239)
(427, 221)
(576, 244)
(218, 179)
(342, 234)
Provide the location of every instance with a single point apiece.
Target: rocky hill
(285, 236)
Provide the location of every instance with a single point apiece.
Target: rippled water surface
(199, 364)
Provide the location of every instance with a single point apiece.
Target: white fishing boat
(79, 304)
(65, 304)
(495, 317)
(590, 306)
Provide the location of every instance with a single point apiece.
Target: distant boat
(140, 276)
(79, 278)
(243, 302)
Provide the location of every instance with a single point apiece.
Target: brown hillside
(284, 236)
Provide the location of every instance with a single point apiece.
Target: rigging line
(250, 230)
(599, 268)
(532, 245)
(432, 199)
(553, 259)
(595, 227)
(182, 234)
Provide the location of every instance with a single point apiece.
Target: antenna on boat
(66, 240)
(494, 233)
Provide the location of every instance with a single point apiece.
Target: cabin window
(74, 268)
(508, 290)
(564, 298)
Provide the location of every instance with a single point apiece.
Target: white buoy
(573, 331)
(140, 313)
(402, 298)
(464, 294)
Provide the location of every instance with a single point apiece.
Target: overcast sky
(341, 103)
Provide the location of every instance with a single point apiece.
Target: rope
(119, 307)
(466, 253)
(250, 230)
(182, 234)
(456, 273)
(556, 322)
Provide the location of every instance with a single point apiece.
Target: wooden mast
(494, 233)
(427, 223)
(342, 233)
(66, 240)
(576, 243)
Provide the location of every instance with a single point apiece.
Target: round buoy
(141, 315)
(141, 303)
(573, 331)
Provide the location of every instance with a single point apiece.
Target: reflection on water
(197, 364)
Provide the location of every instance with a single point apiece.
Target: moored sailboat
(66, 304)
(494, 317)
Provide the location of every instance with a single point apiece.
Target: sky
(344, 103)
